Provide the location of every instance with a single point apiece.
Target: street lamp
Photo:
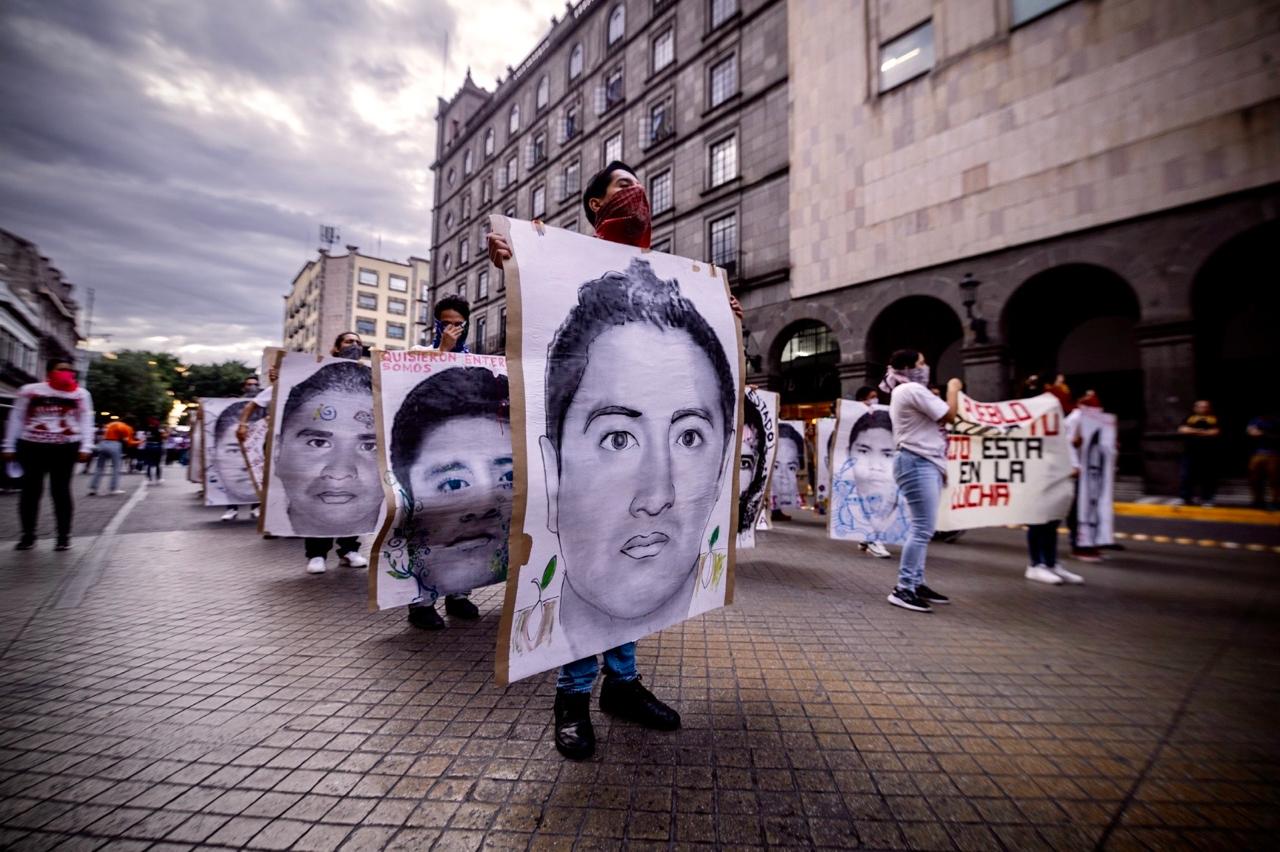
(977, 325)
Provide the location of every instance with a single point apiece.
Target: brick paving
(189, 686)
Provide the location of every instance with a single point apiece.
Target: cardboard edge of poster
(730, 571)
(831, 481)
(768, 463)
(269, 445)
(391, 505)
(519, 543)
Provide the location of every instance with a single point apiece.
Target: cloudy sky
(179, 157)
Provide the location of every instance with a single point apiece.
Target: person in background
(919, 429)
(1074, 441)
(48, 430)
(93, 453)
(867, 395)
(1264, 463)
(618, 209)
(1200, 433)
(248, 390)
(1042, 539)
(153, 451)
(116, 438)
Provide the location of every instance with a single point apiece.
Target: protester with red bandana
(49, 429)
(616, 205)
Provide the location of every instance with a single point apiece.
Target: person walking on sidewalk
(1042, 539)
(48, 431)
(115, 438)
(616, 205)
(249, 390)
(153, 451)
(919, 429)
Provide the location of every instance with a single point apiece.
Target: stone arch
(807, 354)
(924, 323)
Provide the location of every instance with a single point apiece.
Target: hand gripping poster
(625, 369)
(788, 462)
(444, 433)
(759, 440)
(865, 502)
(227, 481)
(1095, 503)
(1007, 463)
(322, 465)
(823, 438)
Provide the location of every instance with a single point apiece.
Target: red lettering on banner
(996, 413)
(1048, 424)
(959, 447)
(976, 496)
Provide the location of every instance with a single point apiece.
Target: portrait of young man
(753, 465)
(228, 459)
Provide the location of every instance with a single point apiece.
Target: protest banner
(865, 502)
(1095, 501)
(444, 438)
(1007, 463)
(625, 369)
(759, 441)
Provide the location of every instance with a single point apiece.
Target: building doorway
(808, 357)
(925, 324)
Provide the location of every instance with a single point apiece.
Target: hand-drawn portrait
(226, 477)
(788, 461)
(759, 441)
(452, 475)
(823, 440)
(324, 474)
(865, 502)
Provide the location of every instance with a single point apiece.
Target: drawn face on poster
(636, 395)
(759, 440)
(787, 464)
(866, 502)
(451, 477)
(227, 480)
(824, 438)
(324, 473)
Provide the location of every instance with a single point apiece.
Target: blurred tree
(199, 380)
(134, 385)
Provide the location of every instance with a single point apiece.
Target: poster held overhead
(444, 433)
(866, 505)
(1095, 502)
(625, 369)
(759, 441)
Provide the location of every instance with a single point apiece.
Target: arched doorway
(1079, 320)
(807, 356)
(1234, 304)
(923, 323)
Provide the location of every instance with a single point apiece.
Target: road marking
(90, 569)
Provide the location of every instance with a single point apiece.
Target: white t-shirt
(915, 413)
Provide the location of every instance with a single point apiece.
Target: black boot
(25, 543)
(631, 701)
(64, 543)
(460, 607)
(575, 738)
(425, 617)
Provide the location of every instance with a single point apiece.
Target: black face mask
(352, 352)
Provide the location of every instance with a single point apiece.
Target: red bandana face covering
(624, 218)
(63, 380)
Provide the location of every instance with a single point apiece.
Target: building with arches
(1106, 173)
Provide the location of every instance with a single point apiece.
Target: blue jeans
(1042, 544)
(920, 483)
(108, 451)
(580, 675)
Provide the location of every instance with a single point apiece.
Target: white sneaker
(229, 515)
(353, 560)
(117, 491)
(1067, 576)
(256, 513)
(315, 565)
(1041, 574)
(878, 550)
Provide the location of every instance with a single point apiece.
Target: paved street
(178, 682)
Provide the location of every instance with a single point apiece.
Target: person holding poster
(596, 414)
(919, 419)
(1091, 440)
(248, 390)
(759, 440)
(1042, 538)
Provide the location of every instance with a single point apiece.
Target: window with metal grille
(664, 49)
(724, 80)
(539, 201)
(724, 161)
(572, 179)
(661, 125)
(721, 11)
(660, 191)
(724, 240)
(613, 148)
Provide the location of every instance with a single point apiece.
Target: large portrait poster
(322, 475)
(759, 440)
(788, 463)
(1095, 501)
(625, 369)
(1007, 463)
(823, 437)
(444, 431)
(865, 502)
(227, 481)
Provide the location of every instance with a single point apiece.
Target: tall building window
(664, 49)
(462, 289)
(464, 251)
(721, 11)
(724, 240)
(366, 326)
(906, 57)
(661, 125)
(612, 148)
(513, 120)
(395, 330)
(539, 199)
(724, 161)
(617, 23)
(448, 261)
(481, 327)
(538, 149)
(513, 170)
(369, 277)
(544, 93)
(663, 245)
(482, 284)
(502, 327)
(466, 162)
(398, 283)
(367, 301)
(1021, 11)
(612, 93)
(575, 62)
(570, 224)
(397, 306)
(488, 142)
(486, 190)
(571, 126)
(466, 205)
(660, 191)
(724, 80)
(571, 180)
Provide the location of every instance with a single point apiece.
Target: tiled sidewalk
(198, 689)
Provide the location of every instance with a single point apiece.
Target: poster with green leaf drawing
(444, 439)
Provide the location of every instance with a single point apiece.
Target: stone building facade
(39, 315)
(377, 298)
(1107, 172)
(690, 93)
